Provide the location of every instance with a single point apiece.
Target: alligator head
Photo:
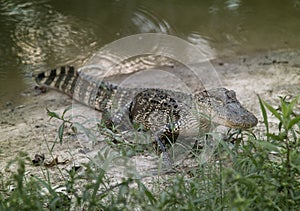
(224, 108)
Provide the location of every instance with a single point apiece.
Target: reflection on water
(41, 34)
(38, 37)
(45, 35)
(233, 4)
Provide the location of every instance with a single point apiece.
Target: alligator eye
(231, 94)
(201, 99)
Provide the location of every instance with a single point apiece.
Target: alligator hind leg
(119, 124)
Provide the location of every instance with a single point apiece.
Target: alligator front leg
(164, 139)
(176, 140)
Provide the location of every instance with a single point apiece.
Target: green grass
(253, 174)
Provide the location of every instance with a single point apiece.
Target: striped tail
(96, 94)
(63, 79)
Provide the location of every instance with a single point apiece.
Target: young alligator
(169, 115)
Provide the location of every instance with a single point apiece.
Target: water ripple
(202, 43)
(147, 21)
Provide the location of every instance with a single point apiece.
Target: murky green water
(40, 34)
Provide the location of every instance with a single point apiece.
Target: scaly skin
(169, 115)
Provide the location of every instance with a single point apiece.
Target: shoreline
(26, 127)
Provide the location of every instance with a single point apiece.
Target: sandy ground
(26, 127)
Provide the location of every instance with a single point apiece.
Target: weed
(254, 174)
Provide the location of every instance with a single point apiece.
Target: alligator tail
(63, 79)
(81, 87)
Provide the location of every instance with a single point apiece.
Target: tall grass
(253, 174)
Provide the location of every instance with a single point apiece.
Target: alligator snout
(236, 116)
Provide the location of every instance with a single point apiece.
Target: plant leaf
(273, 111)
(269, 146)
(293, 103)
(52, 114)
(61, 132)
(293, 122)
(264, 113)
(149, 195)
(285, 108)
(65, 111)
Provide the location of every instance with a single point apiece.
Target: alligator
(169, 115)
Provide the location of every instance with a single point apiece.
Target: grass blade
(272, 110)
(264, 113)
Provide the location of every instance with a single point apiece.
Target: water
(41, 34)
